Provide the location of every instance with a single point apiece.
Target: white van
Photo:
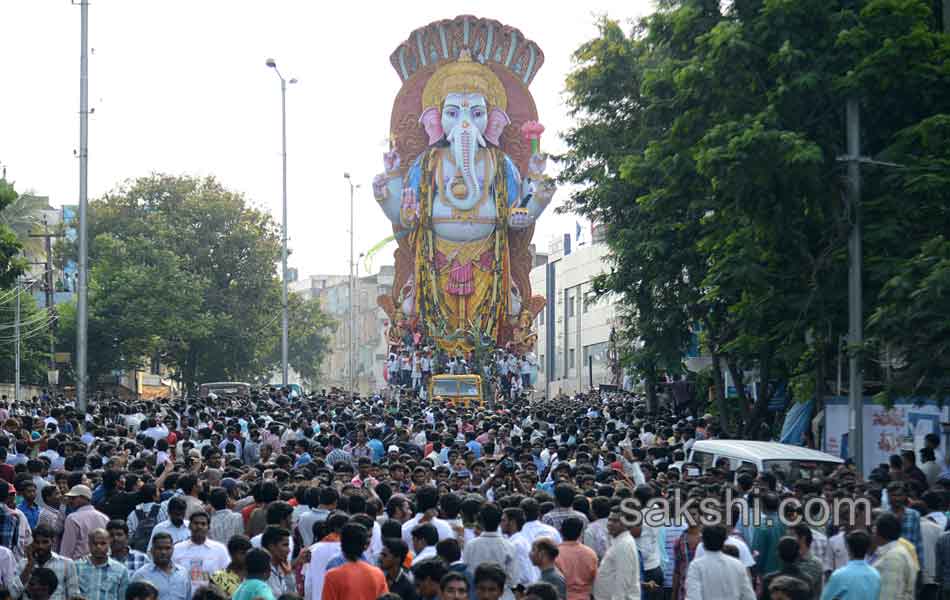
(795, 462)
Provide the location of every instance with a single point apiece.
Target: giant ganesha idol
(463, 206)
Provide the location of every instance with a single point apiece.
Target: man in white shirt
(320, 555)
(56, 461)
(436, 455)
(929, 465)
(533, 528)
(425, 365)
(930, 532)
(647, 437)
(427, 499)
(156, 430)
(837, 554)
(648, 539)
(424, 539)
(527, 367)
(502, 367)
(419, 438)
(416, 371)
(745, 555)
(512, 520)
(175, 525)
(716, 575)
(490, 546)
(392, 370)
(618, 577)
(199, 554)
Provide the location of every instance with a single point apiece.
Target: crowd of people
(331, 497)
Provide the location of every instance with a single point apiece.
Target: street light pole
(16, 333)
(284, 333)
(855, 312)
(81, 300)
(356, 322)
(351, 339)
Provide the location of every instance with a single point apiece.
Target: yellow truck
(457, 390)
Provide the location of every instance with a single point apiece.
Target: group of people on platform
(411, 368)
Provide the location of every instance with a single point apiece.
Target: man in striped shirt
(100, 577)
(336, 454)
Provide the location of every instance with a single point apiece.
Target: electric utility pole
(81, 300)
(50, 290)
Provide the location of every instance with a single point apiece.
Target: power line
(40, 316)
(39, 329)
(11, 295)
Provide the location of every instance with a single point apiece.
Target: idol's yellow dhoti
(462, 287)
(465, 275)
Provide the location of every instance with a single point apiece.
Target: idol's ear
(432, 123)
(497, 121)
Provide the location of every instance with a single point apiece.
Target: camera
(507, 466)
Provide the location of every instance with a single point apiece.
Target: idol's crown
(468, 38)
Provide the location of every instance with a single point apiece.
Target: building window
(570, 359)
(541, 364)
(596, 362)
(570, 306)
(541, 317)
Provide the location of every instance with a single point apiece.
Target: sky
(181, 87)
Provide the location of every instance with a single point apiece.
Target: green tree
(708, 144)
(23, 217)
(909, 327)
(33, 354)
(34, 338)
(185, 271)
(12, 264)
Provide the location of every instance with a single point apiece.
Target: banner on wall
(887, 431)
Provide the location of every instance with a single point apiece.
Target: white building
(573, 329)
(369, 350)
(310, 287)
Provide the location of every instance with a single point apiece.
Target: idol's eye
(478, 113)
(451, 113)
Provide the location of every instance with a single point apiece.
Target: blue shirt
(175, 585)
(302, 460)
(251, 589)
(133, 561)
(102, 582)
(339, 560)
(856, 580)
(910, 530)
(32, 513)
(378, 450)
(476, 448)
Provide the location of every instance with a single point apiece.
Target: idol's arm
(390, 189)
(535, 192)
(388, 193)
(537, 195)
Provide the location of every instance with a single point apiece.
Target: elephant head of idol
(464, 104)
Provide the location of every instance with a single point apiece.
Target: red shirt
(7, 473)
(246, 512)
(354, 580)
